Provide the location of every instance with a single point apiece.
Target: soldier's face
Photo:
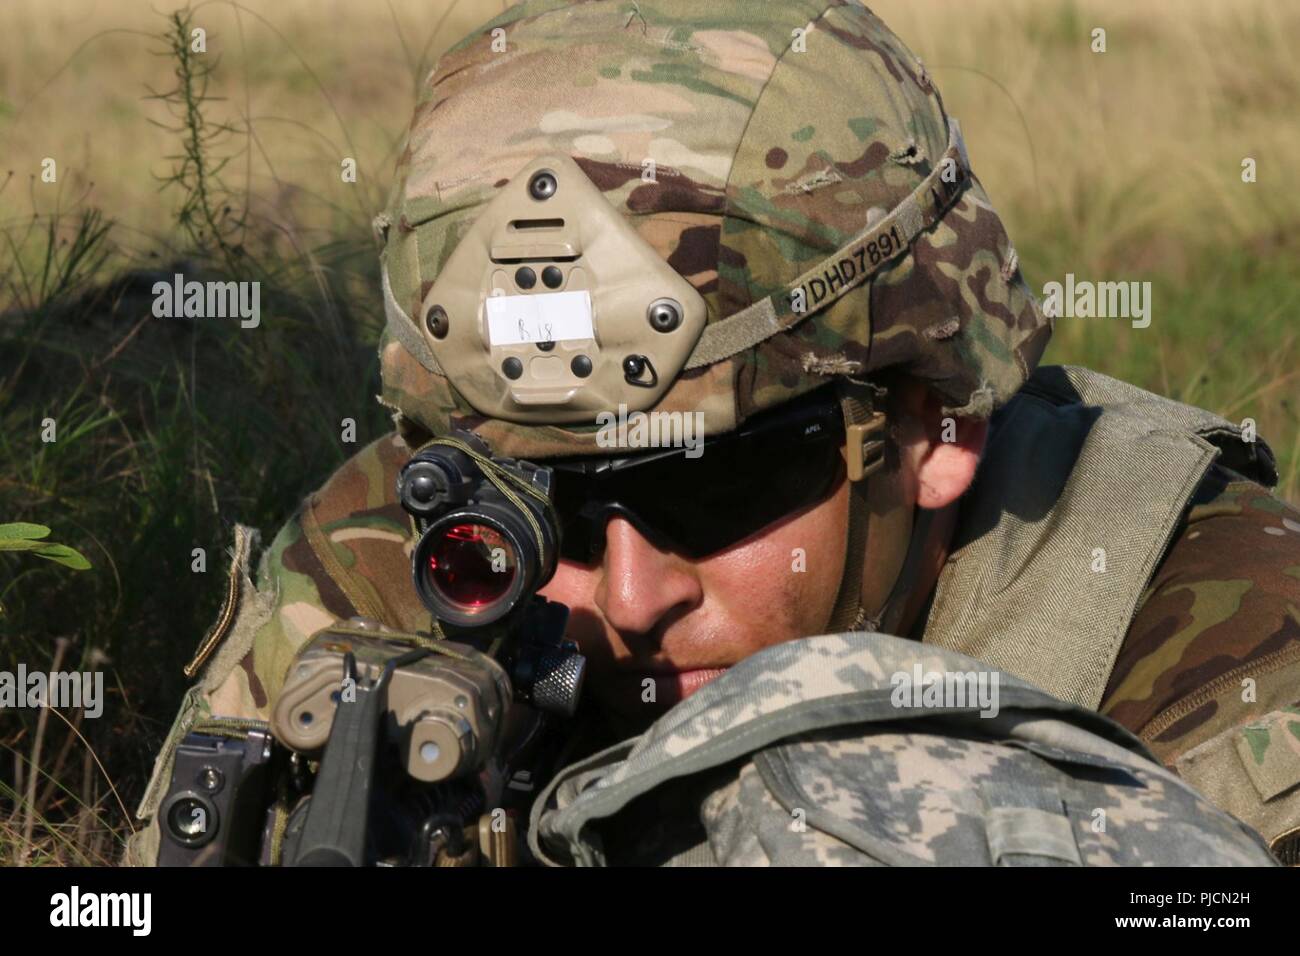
(656, 626)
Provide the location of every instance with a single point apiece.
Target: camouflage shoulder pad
(345, 553)
(869, 749)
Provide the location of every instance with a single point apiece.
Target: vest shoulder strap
(1080, 491)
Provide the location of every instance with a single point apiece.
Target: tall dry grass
(315, 80)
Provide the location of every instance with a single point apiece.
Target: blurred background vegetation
(1123, 165)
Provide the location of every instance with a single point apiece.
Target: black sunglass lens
(739, 485)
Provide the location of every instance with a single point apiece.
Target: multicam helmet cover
(792, 162)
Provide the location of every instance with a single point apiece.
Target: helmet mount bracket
(552, 308)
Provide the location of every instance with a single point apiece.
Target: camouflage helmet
(792, 167)
(792, 162)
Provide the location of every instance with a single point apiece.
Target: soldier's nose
(640, 584)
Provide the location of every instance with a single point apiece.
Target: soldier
(762, 220)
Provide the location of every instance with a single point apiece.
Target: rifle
(401, 749)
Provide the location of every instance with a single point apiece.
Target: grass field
(1122, 165)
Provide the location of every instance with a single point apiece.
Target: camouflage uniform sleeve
(1209, 672)
(345, 552)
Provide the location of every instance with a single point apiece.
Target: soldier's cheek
(782, 583)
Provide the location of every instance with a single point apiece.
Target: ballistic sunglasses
(738, 483)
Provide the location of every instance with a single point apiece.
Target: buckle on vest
(865, 447)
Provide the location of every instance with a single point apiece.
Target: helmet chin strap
(884, 542)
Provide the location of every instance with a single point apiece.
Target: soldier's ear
(940, 452)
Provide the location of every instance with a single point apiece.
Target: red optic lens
(472, 565)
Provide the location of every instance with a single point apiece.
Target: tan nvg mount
(445, 710)
(552, 308)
